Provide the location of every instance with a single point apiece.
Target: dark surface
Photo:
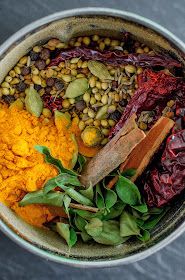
(16, 263)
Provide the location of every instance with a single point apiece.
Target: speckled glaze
(65, 25)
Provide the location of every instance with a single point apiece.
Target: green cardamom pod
(33, 102)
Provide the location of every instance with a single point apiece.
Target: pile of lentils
(108, 96)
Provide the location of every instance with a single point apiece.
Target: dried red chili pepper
(117, 58)
(51, 102)
(167, 180)
(154, 90)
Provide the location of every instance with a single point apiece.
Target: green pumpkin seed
(33, 102)
(76, 88)
(101, 112)
(99, 70)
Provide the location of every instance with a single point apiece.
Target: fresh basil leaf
(141, 208)
(67, 201)
(64, 178)
(68, 234)
(153, 221)
(50, 159)
(144, 235)
(80, 223)
(115, 211)
(74, 194)
(128, 191)
(110, 199)
(128, 225)
(89, 193)
(99, 199)
(106, 232)
(94, 227)
(129, 173)
(38, 197)
(80, 163)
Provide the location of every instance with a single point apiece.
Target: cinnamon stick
(144, 151)
(83, 207)
(113, 154)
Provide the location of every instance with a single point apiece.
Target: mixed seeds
(97, 93)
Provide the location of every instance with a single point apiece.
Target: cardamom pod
(101, 112)
(33, 102)
(76, 88)
(99, 70)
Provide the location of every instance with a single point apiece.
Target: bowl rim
(82, 12)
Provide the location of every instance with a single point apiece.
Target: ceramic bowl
(64, 25)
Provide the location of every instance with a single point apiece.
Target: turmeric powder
(22, 168)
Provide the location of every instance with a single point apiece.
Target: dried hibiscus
(167, 180)
(52, 102)
(117, 57)
(154, 91)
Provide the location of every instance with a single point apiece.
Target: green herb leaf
(106, 232)
(144, 235)
(128, 191)
(67, 201)
(153, 221)
(128, 225)
(99, 199)
(80, 223)
(94, 227)
(140, 222)
(129, 173)
(38, 197)
(89, 193)
(155, 210)
(68, 234)
(88, 215)
(80, 163)
(85, 236)
(74, 194)
(50, 159)
(64, 178)
(141, 208)
(33, 102)
(75, 153)
(115, 211)
(110, 199)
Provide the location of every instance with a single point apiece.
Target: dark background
(15, 262)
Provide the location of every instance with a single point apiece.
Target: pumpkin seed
(33, 102)
(99, 70)
(76, 88)
(101, 112)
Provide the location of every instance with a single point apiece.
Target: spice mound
(22, 168)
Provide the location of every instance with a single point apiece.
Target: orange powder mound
(22, 168)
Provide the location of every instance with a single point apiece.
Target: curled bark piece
(83, 207)
(144, 151)
(113, 154)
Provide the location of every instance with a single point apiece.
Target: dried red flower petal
(52, 102)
